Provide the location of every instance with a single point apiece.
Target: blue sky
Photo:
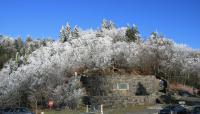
(176, 19)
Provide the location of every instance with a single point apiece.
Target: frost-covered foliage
(47, 72)
(69, 94)
(7, 49)
(11, 49)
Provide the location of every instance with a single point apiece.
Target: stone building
(120, 89)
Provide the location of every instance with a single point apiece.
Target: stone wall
(107, 85)
(105, 89)
(123, 100)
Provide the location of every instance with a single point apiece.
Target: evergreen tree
(104, 24)
(22, 51)
(44, 42)
(111, 25)
(132, 34)
(14, 64)
(158, 39)
(68, 28)
(65, 33)
(17, 59)
(62, 35)
(7, 50)
(76, 32)
(154, 35)
(28, 39)
(31, 48)
(25, 59)
(18, 44)
(3, 56)
(68, 32)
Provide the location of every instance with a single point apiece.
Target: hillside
(46, 72)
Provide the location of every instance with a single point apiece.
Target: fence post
(36, 107)
(102, 109)
(87, 109)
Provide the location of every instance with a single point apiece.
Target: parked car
(195, 110)
(23, 110)
(20, 110)
(1, 110)
(173, 109)
(8, 111)
(185, 94)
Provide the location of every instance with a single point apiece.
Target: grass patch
(123, 110)
(62, 112)
(107, 110)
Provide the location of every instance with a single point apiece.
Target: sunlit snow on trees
(45, 69)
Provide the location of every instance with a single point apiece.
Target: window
(122, 86)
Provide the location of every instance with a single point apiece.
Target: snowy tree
(7, 49)
(68, 31)
(154, 35)
(25, 59)
(99, 33)
(18, 44)
(62, 35)
(132, 34)
(104, 24)
(76, 32)
(28, 39)
(17, 59)
(109, 25)
(48, 70)
(65, 33)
